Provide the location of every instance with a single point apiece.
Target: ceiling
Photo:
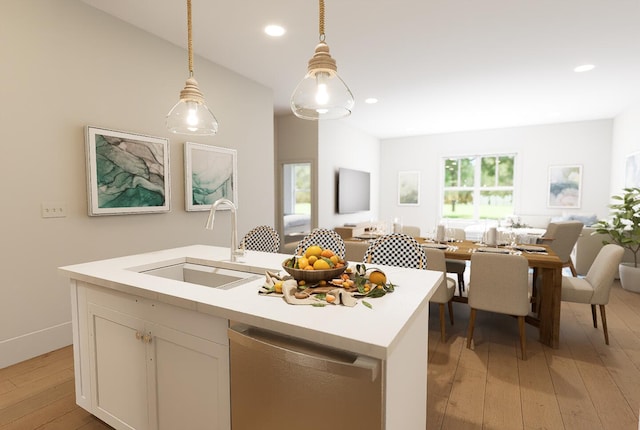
(436, 66)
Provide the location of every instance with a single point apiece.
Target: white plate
(435, 245)
(494, 250)
(530, 248)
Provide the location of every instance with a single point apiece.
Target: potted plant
(624, 229)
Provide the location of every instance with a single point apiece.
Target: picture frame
(565, 183)
(210, 174)
(632, 171)
(127, 173)
(409, 188)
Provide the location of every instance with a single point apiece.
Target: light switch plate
(53, 210)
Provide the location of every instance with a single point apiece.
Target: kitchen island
(135, 328)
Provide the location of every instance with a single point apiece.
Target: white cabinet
(152, 365)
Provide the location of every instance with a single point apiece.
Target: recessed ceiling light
(371, 100)
(584, 68)
(274, 30)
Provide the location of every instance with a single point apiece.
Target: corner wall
(67, 65)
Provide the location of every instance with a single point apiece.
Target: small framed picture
(409, 188)
(564, 186)
(632, 171)
(210, 174)
(127, 173)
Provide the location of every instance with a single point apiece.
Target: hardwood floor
(584, 384)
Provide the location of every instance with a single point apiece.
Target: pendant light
(322, 94)
(191, 115)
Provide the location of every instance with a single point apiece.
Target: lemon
(321, 265)
(311, 260)
(313, 250)
(302, 262)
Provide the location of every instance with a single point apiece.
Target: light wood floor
(584, 384)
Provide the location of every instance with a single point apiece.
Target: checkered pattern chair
(324, 238)
(396, 249)
(262, 238)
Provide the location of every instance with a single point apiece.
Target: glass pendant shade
(191, 115)
(322, 95)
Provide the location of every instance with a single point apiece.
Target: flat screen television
(354, 191)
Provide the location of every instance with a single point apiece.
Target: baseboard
(33, 344)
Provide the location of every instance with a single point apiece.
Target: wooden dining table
(548, 267)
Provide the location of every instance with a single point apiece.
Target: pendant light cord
(321, 23)
(189, 38)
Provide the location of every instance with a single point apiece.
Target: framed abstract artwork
(632, 171)
(409, 188)
(210, 174)
(127, 173)
(564, 186)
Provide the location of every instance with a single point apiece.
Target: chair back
(564, 236)
(396, 249)
(457, 233)
(324, 238)
(499, 283)
(437, 262)
(411, 230)
(261, 238)
(603, 272)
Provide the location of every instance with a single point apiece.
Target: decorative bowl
(315, 275)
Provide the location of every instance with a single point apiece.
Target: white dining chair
(411, 230)
(595, 287)
(457, 266)
(499, 283)
(447, 288)
(561, 238)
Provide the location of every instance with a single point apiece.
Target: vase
(630, 277)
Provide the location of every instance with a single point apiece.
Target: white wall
(65, 66)
(537, 147)
(626, 141)
(341, 145)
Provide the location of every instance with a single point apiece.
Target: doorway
(297, 200)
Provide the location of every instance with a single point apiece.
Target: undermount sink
(215, 274)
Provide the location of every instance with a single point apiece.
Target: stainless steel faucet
(235, 252)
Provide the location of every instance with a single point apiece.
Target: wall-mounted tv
(354, 190)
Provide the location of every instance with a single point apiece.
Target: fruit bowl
(314, 275)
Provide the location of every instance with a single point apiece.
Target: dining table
(547, 273)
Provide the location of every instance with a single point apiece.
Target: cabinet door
(118, 368)
(191, 381)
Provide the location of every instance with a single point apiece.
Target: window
(478, 187)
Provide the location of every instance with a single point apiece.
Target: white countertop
(372, 332)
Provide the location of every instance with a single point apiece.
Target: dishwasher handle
(304, 353)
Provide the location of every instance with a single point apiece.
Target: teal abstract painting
(127, 173)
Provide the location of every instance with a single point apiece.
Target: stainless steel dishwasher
(282, 383)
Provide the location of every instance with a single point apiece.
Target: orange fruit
(326, 253)
(377, 277)
(308, 267)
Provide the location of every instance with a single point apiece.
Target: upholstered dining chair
(595, 287)
(457, 266)
(261, 238)
(499, 283)
(561, 238)
(396, 249)
(447, 288)
(411, 230)
(322, 237)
